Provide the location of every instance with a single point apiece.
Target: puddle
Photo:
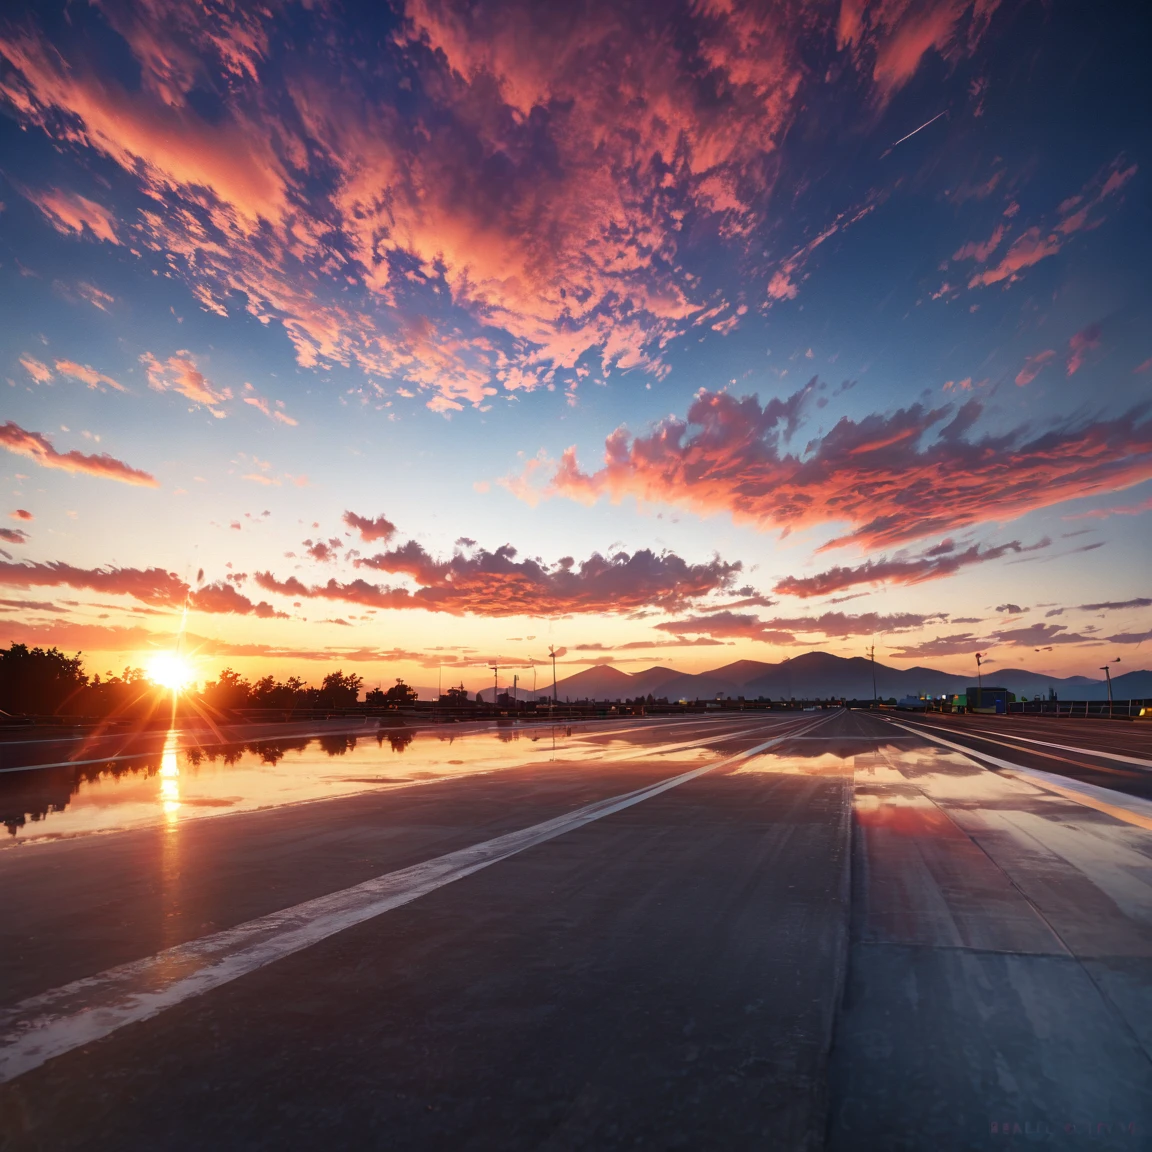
(180, 783)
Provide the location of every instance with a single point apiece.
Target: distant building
(989, 699)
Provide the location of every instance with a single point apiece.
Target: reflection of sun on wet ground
(181, 784)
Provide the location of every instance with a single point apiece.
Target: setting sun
(170, 670)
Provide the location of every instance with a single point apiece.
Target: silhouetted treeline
(43, 681)
(230, 691)
(46, 682)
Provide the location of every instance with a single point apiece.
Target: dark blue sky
(265, 269)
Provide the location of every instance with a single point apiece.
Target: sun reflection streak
(170, 780)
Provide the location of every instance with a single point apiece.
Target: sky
(405, 338)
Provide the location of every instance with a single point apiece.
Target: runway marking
(1047, 755)
(844, 739)
(54, 1022)
(1073, 748)
(1119, 805)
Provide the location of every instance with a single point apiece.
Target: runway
(775, 930)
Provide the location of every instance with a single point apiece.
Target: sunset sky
(396, 337)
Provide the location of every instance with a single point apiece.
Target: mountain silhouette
(817, 675)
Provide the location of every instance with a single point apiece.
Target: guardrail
(1118, 709)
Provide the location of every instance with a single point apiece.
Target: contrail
(920, 129)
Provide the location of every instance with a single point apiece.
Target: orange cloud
(39, 448)
(938, 562)
(149, 585)
(892, 478)
(1026, 250)
(40, 372)
(73, 214)
(781, 630)
(1032, 366)
(980, 250)
(1037, 243)
(1080, 345)
(87, 375)
(497, 584)
(539, 189)
(381, 528)
(274, 410)
(895, 35)
(179, 374)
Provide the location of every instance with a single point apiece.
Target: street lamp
(979, 681)
(872, 657)
(1106, 669)
(552, 653)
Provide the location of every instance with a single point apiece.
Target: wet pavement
(179, 777)
(731, 932)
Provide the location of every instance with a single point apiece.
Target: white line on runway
(55, 1022)
(843, 739)
(1121, 806)
(1065, 747)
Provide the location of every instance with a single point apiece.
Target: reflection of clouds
(793, 764)
(160, 789)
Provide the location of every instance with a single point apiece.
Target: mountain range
(817, 675)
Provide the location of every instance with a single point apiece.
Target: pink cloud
(14, 535)
(73, 214)
(274, 410)
(1033, 365)
(497, 584)
(892, 478)
(22, 514)
(222, 597)
(97, 297)
(38, 448)
(784, 283)
(1027, 249)
(932, 565)
(381, 528)
(1035, 635)
(1038, 243)
(1080, 345)
(540, 188)
(87, 375)
(781, 630)
(954, 644)
(40, 372)
(980, 250)
(179, 373)
(149, 585)
(1121, 510)
(894, 36)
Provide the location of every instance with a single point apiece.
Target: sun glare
(170, 670)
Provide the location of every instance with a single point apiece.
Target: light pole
(495, 682)
(1108, 677)
(515, 681)
(872, 657)
(552, 653)
(979, 681)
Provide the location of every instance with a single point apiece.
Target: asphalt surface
(855, 938)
